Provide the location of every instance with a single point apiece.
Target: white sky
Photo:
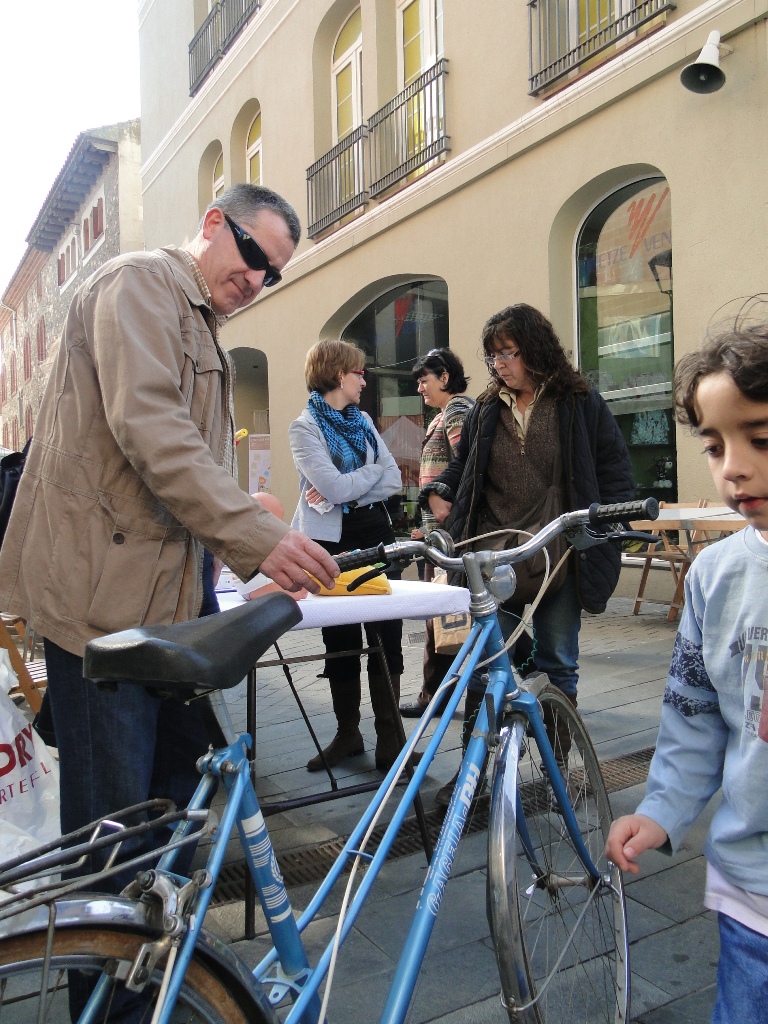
(66, 67)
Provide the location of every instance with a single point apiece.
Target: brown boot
(348, 741)
(388, 729)
(472, 704)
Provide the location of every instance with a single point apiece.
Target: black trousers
(362, 528)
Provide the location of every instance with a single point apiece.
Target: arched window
(347, 77)
(27, 358)
(253, 151)
(3, 390)
(15, 434)
(422, 37)
(6, 435)
(394, 330)
(14, 382)
(28, 423)
(626, 331)
(217, 186)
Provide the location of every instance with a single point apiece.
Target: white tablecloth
(409, 600)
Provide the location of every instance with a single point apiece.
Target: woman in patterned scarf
(345, 474)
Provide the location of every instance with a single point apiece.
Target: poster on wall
(259, 463)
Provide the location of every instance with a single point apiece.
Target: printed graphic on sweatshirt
(752, 647)
(687, 673)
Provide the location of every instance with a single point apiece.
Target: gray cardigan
(374, 481)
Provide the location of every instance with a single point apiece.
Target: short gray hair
(243, 202)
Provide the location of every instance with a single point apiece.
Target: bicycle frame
(286, 968)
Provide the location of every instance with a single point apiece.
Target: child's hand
(629, 837)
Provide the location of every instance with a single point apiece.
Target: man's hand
(294, 557)
(629, 837)
(440, 507)
(417, 534)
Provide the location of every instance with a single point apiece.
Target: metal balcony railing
(409, 132)
(215, 36)
(403, 137)
(336, 183)
(565, 34)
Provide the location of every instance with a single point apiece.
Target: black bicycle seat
(212, 653)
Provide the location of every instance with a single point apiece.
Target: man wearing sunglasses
(129, 477)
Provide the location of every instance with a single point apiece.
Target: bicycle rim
(205, 997)
(536, 897)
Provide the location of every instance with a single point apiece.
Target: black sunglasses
(252, 253)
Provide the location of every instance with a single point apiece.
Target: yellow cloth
(377, 585)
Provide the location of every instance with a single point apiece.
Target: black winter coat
(596, 467)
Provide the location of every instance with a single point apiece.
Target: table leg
(384, 667)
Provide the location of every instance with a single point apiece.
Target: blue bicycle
(555, 905)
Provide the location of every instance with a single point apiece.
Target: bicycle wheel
(538, 888)
(208, 995)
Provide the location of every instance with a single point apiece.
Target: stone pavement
(674, 943)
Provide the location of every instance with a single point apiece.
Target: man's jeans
(742, 974)
(556, 625)
(124, 746)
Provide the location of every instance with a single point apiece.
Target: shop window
(626, 329)
(394, 331)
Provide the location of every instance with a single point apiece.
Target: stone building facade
(92, 213)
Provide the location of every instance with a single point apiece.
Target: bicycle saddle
(212, 653)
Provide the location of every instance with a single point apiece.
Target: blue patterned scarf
(345, 433)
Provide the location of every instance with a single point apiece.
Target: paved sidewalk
(674, 940)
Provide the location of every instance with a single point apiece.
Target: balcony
(403, 139)
(215, 36)
(565, 34)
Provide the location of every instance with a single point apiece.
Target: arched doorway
(252, 413)
(626, 333)
(394, 330)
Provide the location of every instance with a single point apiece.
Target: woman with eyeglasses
(441, 382)
(539, 441)
(346, 473)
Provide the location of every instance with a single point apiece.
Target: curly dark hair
(740, 350)
(540, 348)
(439, 361)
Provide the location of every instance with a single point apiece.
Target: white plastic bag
(29, 777)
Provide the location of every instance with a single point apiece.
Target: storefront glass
(394, 331)
(626, 341)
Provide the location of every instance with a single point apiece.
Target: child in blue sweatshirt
(714, 722)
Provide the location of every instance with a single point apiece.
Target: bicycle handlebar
(570, 522)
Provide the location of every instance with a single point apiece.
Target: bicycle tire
(207, 994)
(531, 920)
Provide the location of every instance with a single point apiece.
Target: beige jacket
(124, 481)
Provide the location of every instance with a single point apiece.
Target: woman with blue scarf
(346, 473)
